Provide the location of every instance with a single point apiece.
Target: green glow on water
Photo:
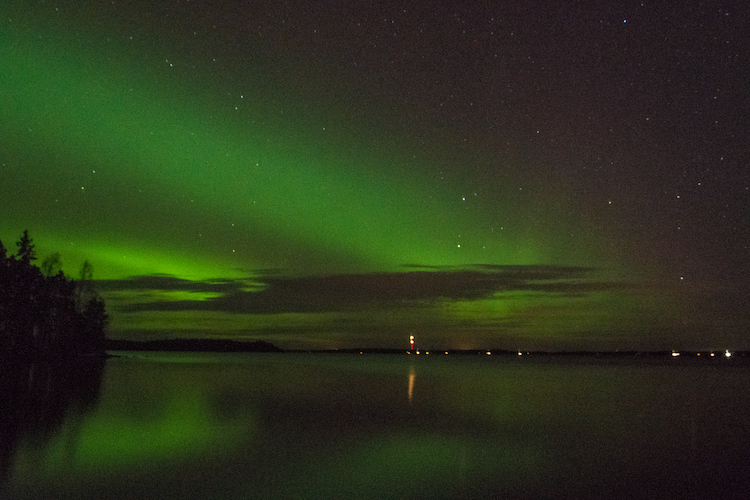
(420, 465)
(378, 426)
(112, 442)
(184, 427)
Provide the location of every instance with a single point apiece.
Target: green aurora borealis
(263, 192)
(142, 143)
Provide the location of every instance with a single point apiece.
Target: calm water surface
(169, 425)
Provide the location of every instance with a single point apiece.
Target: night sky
(531, 175)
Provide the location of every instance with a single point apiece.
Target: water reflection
(412, 376)
(38, 398)
(338, 426)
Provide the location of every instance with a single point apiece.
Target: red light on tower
(411, 342)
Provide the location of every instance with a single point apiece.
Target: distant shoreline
(225, 345)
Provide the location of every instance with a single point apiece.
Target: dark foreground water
(379, 426)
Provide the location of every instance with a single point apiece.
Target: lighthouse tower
(411, 342)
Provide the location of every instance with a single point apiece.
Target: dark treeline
(43, 313)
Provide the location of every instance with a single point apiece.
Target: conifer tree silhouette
(26, 252)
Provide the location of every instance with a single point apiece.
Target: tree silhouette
(26, 252)
(44, 313)
(87, 271)
(52, 265)
(84, 287)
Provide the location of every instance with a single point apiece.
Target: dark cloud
(167, 283)
(346, 292)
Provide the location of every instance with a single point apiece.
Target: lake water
(171, 425)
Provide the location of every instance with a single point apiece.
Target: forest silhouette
(43, 313)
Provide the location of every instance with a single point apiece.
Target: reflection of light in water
(412, 376)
